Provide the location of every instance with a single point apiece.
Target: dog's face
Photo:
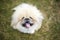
(26, 18)
(27, 22)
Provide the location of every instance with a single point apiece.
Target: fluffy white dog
(26, 18)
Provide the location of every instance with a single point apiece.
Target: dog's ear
(14, 21)
(41, 17)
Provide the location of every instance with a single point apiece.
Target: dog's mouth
(27, 25)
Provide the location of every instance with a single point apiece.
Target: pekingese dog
(26, 18)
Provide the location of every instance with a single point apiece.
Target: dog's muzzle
(27, 23)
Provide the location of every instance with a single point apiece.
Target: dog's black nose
(26, 18)
(27, 22)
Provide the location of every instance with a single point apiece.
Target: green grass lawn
(50, 29)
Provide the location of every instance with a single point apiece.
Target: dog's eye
(31, 17)
(22, 17)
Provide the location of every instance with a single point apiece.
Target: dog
(26, 18)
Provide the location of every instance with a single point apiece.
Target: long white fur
(32, 10)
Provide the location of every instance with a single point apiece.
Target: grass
(50, 28)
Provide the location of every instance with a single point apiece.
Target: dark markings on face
(29, 17)
(22, 17)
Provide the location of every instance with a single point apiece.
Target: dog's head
(26, 18)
